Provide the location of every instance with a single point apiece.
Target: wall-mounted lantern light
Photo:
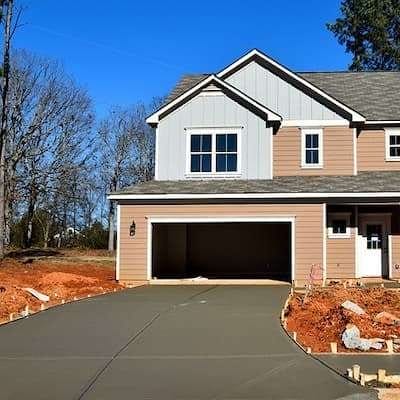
(132, 229)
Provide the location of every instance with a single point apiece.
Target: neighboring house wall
(279, 95)
(371, 152)
(212, 111)
(338, 155)
(308, 225)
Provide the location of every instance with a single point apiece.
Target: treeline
(61, 162)
(57, 161)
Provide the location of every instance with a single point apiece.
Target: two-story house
(262, 173)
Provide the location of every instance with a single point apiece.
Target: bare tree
(7, 11)
(127, 152)
(50, 120)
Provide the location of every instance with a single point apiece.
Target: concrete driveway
(164, 342)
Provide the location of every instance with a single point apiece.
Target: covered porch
(362, 241)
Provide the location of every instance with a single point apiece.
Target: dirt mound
(321, 319)
(60, 279)
(65, 278)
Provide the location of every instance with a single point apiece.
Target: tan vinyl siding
(133, 250)
(371, 154)
(340, 257)
(337, 152)
(396, 256)
(395, 242)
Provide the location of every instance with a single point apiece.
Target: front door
(373, 246)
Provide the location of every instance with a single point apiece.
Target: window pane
(312, 157)
(221, 143)
(395, 152)
(206, 143)
(206, 163)
(308, 141)
(232, 142)
(339, 226)
(312, 141)
(394, 139)
(231, 162)
(195, 143)
(315, 140)
(195, 163)
(221, 163)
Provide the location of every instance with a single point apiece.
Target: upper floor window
(311, 148)
(213, 151)
(392, 144)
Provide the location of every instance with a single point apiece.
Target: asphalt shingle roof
(373, 94)
(383, 181)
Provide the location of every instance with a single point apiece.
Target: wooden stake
(309, 350)
(282, 315)
(75, 298)
(295, 336)
(362, 379)
(389, 344)
(42, 307)
(89, 295)
(349, 372)
(11, 317)
(285, 324)
(356, 372)
(62, 301)
(381, 375)
(333, 347)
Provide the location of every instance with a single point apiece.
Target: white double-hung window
(311, 148)
(213, 151)
(392, 144)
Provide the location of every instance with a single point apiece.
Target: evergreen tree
(370, 30)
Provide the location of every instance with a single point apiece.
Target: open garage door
(228, 250)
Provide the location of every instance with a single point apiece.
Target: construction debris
(352, 340)
(38, 295)
(355, 308)
(322, 320)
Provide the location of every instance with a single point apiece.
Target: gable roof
(292, 78)
(365, 184)
(228, 89)
(374, 94)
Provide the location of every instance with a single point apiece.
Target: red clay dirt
(58, 279)
(321, 319)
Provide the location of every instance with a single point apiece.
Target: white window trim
(390, 132)
(213, 132)
(339, 215)
(312, 131)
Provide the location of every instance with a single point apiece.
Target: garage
(221, 250)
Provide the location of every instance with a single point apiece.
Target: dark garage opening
(253, 250)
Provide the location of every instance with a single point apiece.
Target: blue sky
(124, 51)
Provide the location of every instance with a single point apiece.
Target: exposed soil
(59, 279)
(321, 320)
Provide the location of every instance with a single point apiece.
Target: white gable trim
(355, 117)
(271, 116)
